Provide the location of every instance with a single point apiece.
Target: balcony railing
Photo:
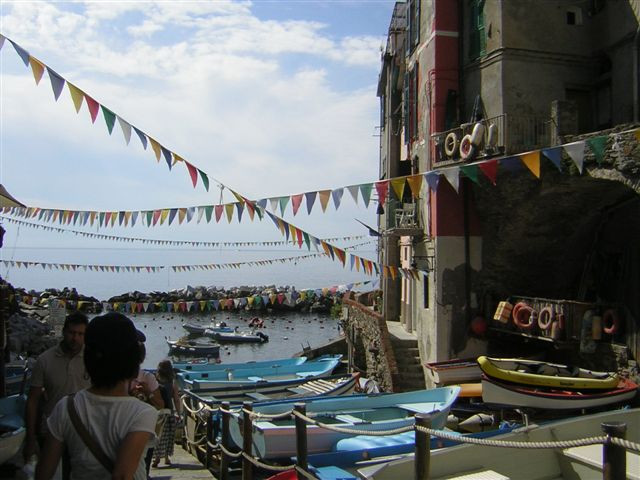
(510, 134)
(404, 219)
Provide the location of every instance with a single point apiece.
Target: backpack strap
(86, 437)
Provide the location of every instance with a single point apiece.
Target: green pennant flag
(205, 179)
(470, 171)
(283, 204)
(307, 240)
(149, 217)
(101, 219)
(598, 145)
(109, 118)
(365, 190)
(208, 211)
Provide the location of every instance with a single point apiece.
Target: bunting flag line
(84, 267)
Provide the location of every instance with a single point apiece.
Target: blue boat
(210, 367)
(200, 329)
(277, 438)
(12, 427)
(247, 375)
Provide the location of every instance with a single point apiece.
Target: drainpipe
(636, 76)
(467, 251)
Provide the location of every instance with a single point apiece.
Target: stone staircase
(410, 374)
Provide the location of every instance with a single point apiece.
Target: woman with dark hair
(169, 392)
(119, 425)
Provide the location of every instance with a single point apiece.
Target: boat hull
(454, 371)
(208, 367)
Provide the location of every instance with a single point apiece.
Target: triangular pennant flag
(397, 184)
(598, 146)
(470, 171)
(575, 150)
(532, 161)
(490, 169)
(182, 213)
(296, 201)
(554, 154)
(57, 83)
(365, 191)
(273, 202)
(24, 55)
(2, 37)
(452, 174)
(382, 187)
(192, 173)
(93, 106)
(307, 241)
(37, 69)
(324, 198)
(310, 197)
(415, 184)
(155, 146)
(337, 197)
(109, 118)
(172, 215)
(511, 164)
(262, 203)
(164, 215)
(142, 136)
(219, 209)
(126, 129)
(353, 190)
(228, 208)
(167, 156)
(77, 96)
(283, 201)
(433, 180)
(240, 208)
(205, 179)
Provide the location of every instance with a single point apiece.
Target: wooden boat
(454, 371)
(500, 393)
(341, 384)
(12, 426)
(476, 461)
(544, 374)
(277, 438)
(201, 367)
(245, 377)
(371, 449)
(200, 329)
(190, 347)
(238, 337)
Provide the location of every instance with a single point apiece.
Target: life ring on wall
(450, 144)
(546, 318)
(524, 316)
(610, 322)
(465, 147)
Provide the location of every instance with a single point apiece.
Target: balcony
(405, 221)
(503, 135)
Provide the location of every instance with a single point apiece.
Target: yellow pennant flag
(281, 226)
(203, 305)
(394, 272)
(292, 232)
(415, 184)
(177, 158)
(324, 198)
(156, 148)
(76, 95)
(164, 214)
(37, 68)
(398, 187)
(228, 208)
(532, 161)
(127, 218)
(114, 215)
(303, 295)
(272, 298)
(326, 249)
(182, 213)
(250, 300)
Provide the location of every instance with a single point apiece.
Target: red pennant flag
(299, 236)
(156, 216)
(94, 107)
(490, 169)
(296, 201)
(382, 188)
(219, 210)
(340, 253)
(193, 173)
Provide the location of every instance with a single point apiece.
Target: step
(407, 352)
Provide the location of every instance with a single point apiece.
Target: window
(383, 112)
(413, 25)
(574, 16)
(425, 283)
(411, 105)
(477, 33)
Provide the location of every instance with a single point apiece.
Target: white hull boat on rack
(276, 438)
(482, 462)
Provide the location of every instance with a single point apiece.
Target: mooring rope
(266, 466)
(230, 454)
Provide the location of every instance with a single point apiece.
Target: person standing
(58, 371)
(169, 391)
(115, 426)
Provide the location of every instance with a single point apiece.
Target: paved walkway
(397, 330)
(184, 466)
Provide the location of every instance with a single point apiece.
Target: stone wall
(366, 328)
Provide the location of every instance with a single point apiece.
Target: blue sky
(270, 97)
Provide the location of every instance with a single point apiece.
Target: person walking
(169, 391)
(58, 371)
(105, 429)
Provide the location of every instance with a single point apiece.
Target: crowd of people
(92, 412)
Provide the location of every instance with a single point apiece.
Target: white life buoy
(465, 147)
(450, 144)
(492, 135)
(477, 134)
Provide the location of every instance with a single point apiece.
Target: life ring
(450, 144)
(492, 135)
(610, 322)
(545, 318)
(477, 134)
(524, 316)
(465, 147)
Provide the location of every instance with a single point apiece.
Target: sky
(270, 98)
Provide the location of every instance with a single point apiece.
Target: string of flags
(252, 301)
(173, 243)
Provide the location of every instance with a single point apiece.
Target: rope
(230, 454)
(266, 466)
(264, 416)
(350, 431)
(621, 442)
(190, 410)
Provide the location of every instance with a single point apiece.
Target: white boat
(201, 329)
(476, 461)
(500, 393)
(12, 427)
(454, 371)
(277, 438)
(238, 337)
(208, 366)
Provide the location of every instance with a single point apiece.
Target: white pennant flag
(576, 151)
(126, 129)
(274, 202)
(353, 190)
(452, 176)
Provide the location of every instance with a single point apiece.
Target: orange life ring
(524, 316)
(545, 318)
(610, 321)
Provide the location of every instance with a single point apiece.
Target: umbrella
(6, 200)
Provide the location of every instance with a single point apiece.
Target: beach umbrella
(7, 200)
